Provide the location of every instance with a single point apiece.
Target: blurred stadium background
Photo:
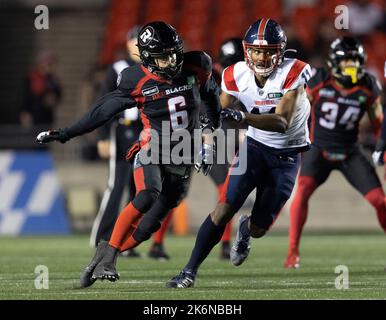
(58, 190)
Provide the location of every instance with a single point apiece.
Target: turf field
(260, 277)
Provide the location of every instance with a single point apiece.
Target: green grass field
(260, 277)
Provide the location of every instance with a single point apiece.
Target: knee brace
(145, 199)
(146, 228)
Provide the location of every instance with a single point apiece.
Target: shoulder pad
(129, 77)
(372, 83)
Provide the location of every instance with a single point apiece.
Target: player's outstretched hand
(232, 114)
(51, 135)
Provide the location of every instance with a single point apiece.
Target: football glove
(379, 152)
(378, 158)
(51, 135)
(205, 159)
(231, 114)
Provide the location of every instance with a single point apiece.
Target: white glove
(51, 135)
(378, 158)
(206, 159)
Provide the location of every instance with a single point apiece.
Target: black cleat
(225, 253)
(131, 253)
(106, 267)
(86, 279)
(185, 279)
(157, 252)
(105, 271)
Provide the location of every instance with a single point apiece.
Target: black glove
(232, 114)
(51, 135)
(206, 159)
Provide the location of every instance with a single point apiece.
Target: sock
(130, 243)
(124, 226)
(207, 237)
(158, 237)
(298, 210)
(226, 237)
(376, 197)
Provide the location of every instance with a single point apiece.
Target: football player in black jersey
(340, 97)
(168, 88)
(115, 138)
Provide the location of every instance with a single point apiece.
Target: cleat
(293, 260)
(157, 252)
(131, 253)
(185, 279)
(105, 271)
(241, 245)
(106, 267)
(225, 253)
(86, 278)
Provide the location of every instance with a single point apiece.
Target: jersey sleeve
(200, 64)
(228, 81)
(211, 102)
(375, 88)
(105, 108)
(298, 75)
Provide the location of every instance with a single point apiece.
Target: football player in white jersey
(272, 89)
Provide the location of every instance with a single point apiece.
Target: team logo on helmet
(146, 36)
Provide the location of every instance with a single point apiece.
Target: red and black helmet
(265, 34)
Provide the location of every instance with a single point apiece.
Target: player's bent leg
(148, 186)
(157, 250)
(362, 176)
(376, 197)
(298, 216)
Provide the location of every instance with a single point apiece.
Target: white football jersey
(238, 80)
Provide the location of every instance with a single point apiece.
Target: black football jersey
(165, 106)
(337, 111)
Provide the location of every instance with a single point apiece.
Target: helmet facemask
(347, 75)
(342, 51)
(274, 57)
(167, 64)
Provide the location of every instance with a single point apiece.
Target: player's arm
(378, 121)
(276, 122)
(103, 110)
(375, 114)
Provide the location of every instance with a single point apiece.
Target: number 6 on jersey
(178, 118)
